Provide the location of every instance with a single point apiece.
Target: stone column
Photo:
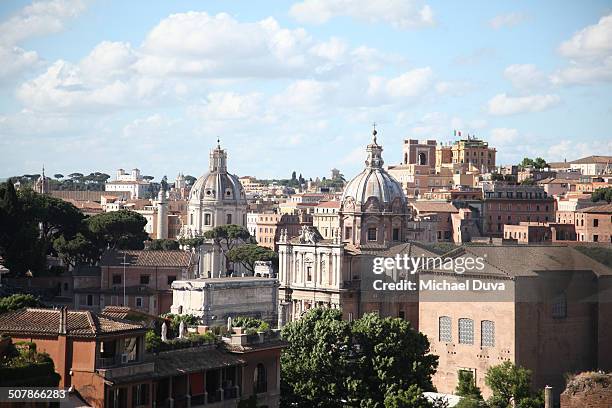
(548, 397)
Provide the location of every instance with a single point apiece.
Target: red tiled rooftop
(78, 324)
(176, 258)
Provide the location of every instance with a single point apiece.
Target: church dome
(217, 185)
(374, 182)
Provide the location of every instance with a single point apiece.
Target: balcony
(112, 367)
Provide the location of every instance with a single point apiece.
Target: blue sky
(97, 85)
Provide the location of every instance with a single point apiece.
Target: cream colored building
(315, 271)
(325, 218)
(216, 198)
(215, 300)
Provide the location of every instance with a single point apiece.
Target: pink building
(138, 279)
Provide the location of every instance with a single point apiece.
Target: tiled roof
(528, 260)
(193, 359)
(433, 206)
(598, 209)
(175, 258)
(593, 159)
(124, 312)
(78, 323)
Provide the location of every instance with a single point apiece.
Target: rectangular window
(559, 307)
(171, 279)
(140, 395)
(595, 222)
(89, 300)
(445, 333)
(144, 279)
(138, 302)
(396, 234)
(116, 279)
(206, 219)
(229, 219)
(466, 331)
(348, 232)
(371, 234)
(487, 333)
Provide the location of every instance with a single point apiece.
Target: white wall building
(216, 198)
(132, 183)
(214, 300)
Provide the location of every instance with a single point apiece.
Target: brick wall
(588, 390)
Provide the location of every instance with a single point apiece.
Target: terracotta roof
(598, 209)
(528, 260)
(124, 312)
(433, 206)
(78, 323)
(558, 165)
(175, 258)
(593, 159)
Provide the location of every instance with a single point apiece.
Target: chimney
(63, 320)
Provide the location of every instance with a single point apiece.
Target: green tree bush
(331, 362)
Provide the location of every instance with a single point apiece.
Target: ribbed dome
(374, 181)
(217, 186)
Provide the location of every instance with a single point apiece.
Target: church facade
(373, 221)
(217, 198)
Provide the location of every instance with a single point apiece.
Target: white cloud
(304, 96)
(503, 104)
(402, 14)
(15, 60)
(572, 150)
(232, 106)
(439, 125)
(503, 136)
(507, 20)
(27, 123)
(453, 88)
(151, 129)
(590, 54)
(65, 87)
(198, 44)
(584, 74)
(37, 19)
(108, 60)
(592, 41)
(525, 76)
(411, 84)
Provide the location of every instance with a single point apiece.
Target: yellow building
(472, 152)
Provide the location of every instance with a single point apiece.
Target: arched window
(422, 159)
(260, 380)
